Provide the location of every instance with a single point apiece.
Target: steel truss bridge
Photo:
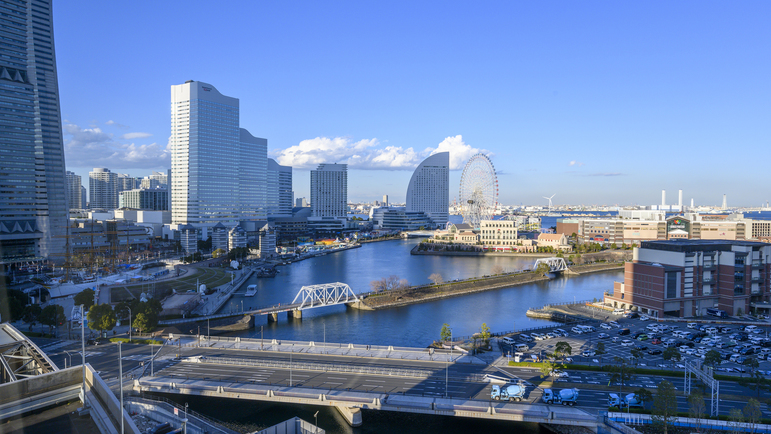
(309, 297)
(556, 265)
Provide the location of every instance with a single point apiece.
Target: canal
(414, 325)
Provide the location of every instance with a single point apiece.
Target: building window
(671, 285)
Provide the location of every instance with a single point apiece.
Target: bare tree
(436, 278)
(497, 269)
(389, 283)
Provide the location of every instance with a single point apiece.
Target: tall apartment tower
(73, 190)
(33, 185)
(103, 188)
(329, 190)
(218, 170)
(385, 200)
(429, 188)
(279, 190)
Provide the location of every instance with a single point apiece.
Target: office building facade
(329, 191)
(218, 170)
(429, 188)
(279, 190)
(102, 189)
(156, 199)
(74, 189)
(33, 187)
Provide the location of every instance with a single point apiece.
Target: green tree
(12, 303)
(52, 315)
(86, 298)
(446, 333)
(600, 349)
(562, 349)
(637, 355)
(547, 368)
(620, 372)
(752, 413)
(542, 269)
(643, 395)
(31, 312)
(142, 322)
(101, 317)
(672, 354)
(712, 358)
(736, 417)
(664, 407)
(484, 333)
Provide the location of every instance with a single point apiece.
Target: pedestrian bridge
(555, 264)
(309, 297)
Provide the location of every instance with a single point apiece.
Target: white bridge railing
(555, 264)
(324, 295)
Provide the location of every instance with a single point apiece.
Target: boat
(251, 290)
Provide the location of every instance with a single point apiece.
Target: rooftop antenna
(549, 199)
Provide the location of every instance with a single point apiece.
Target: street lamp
(129, 322)
(316, 423)
(83, 351)
(120, 369)
(65, 360)
(447, 370)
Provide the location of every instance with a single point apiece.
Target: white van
(750, 329)
(618, 311)
(521, 347)
(508, 340)
(692, 325)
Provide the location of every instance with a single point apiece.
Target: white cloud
(576, 163)
(369, 154)
(115, 124)
(130, 136)
(92, 147)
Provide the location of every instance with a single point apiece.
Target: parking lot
(731, 342)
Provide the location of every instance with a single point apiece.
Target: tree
(142, 322)
(712, 358)
(217, 253)
(562, 349)
(484, 333)
(101, 317)
(621, 372)
(31, 312)
(696, 407)
(752, 413)
(736, 417)
(547, 368)
(637, 355)
(672, 354)
(12, 303)
(643, 395)
(497, 269)
(86, 298)
(446, 334)
(436, 278)
(389, 283)
(664, 407)
(542, 269)
(52, 315)
(600, 349)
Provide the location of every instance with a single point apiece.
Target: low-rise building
(558, 242)
(684, 278)
(498, 232)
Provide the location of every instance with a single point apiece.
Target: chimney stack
(680, 199)
(663, 197)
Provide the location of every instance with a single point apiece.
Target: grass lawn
(211, 277)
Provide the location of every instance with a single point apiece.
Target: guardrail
(688, 422)
(152, 399)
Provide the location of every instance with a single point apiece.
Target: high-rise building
(218, 169)
(279, 190)
(126, 182)
(329, 190)
(83, 197)
(33, 198)
(300, 202)
(385, 200)
(74, 190)
(156, 199)
(429, 188)
(103, 189)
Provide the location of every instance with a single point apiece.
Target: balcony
(708, 280)
(709, 266)
(738, 289)
(756, 265)
(757, 279)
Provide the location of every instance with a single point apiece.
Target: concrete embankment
(419, 294)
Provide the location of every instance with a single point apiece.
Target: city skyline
(552, 92)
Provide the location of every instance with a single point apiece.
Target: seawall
(423, 293)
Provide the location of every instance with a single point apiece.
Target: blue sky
(596, 102)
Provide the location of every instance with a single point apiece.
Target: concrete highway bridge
(352, 378)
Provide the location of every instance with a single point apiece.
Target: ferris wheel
(478, 190)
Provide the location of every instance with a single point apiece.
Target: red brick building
(684, 278)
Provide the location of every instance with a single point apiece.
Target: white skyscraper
(329, 190)
(218, 169)
(103, 188)
(429, 188)
(279, 190)
(73, 190)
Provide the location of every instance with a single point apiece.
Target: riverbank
(415, 251)
(424, 293)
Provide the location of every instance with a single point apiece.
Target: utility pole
(152, 359)
(120, 369)
(83, 352)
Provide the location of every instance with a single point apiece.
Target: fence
(687, 422)
(214, 425)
